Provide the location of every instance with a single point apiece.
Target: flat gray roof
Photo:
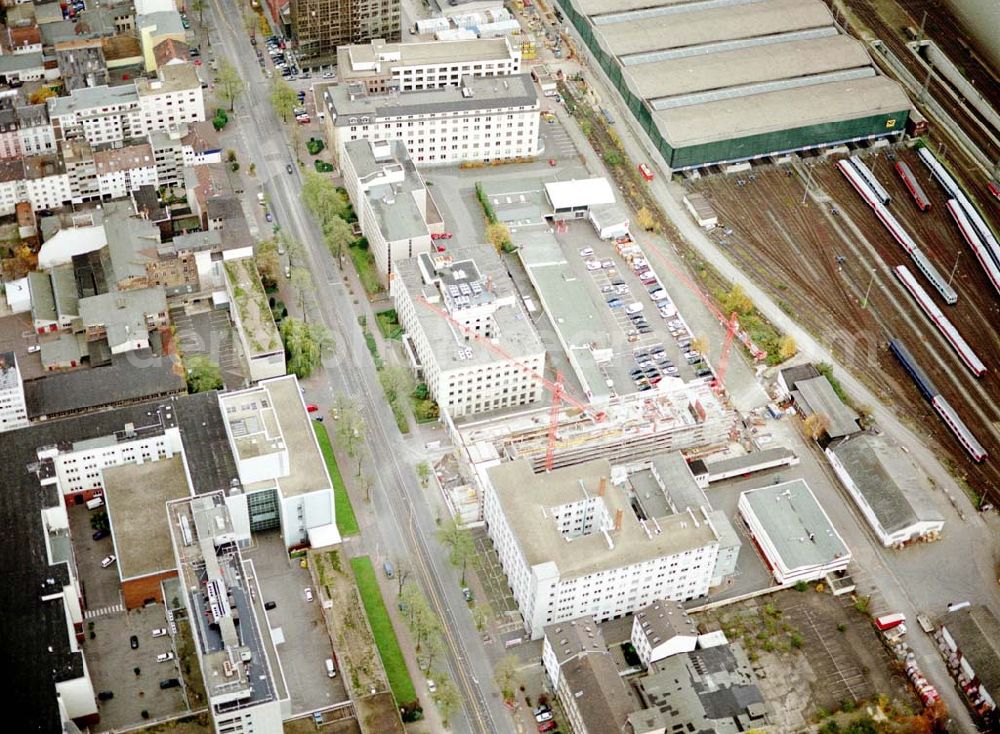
(137, 496)
(526, 498)
(86, 98)
(282, 423)
(517, 90)
(603, 7)
(639, 33)
(416, 54)
(780, 110)
(817, 396)
(678, 482)
(890, 483)
(743, 66)
(796, 524)
(399, 217)
(749, 461)
(515, 332)
(123, 313)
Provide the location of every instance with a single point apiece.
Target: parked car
(467, 593)
(311, 408)
(34, 348)
(431, 686)
(586, 252)
(593, 264)
(268, 217)
(546, 726)
(133, 642)
(108, 560)
(160, 632)
(645, 171)
(328, 75)
(169, 683)
(269, 605)
(309, 594)
(105, 695)
(540, 709)
(544, 716)
(100, 534)
(165, 657)
(288, 168)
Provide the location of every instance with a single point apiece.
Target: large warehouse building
(732, 80)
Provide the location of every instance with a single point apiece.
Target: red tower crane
(732, 326)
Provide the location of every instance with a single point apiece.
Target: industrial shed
(892, 495)
(730, 81)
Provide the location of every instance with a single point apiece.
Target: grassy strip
(347, 522)
(364, 263)
(388, 324)
(385, 636)
(190, 666)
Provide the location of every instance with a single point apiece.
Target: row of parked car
(651, 366)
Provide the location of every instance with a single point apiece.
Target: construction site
(806, 236)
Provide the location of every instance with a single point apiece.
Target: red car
(441, 235)
(312, 408)
(646, 171)
(547, 726)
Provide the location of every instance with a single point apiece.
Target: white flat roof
(582, 193)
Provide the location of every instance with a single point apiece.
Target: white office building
(484, 119)
(246, 692)
(395, 210)
(409, 67)
(13, 411)
(280, 466)
(451, 306)
(572, 546)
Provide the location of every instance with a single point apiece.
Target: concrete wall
(982, 19)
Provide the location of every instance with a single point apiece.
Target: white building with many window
(395, 210)
(572, 546)
(172, 98)
(13, 410)
(451, 305)
(409, 67)
(483, 119)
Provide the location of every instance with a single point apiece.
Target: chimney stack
(618, 519)
(603, 486)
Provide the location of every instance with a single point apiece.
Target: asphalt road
(406, 527)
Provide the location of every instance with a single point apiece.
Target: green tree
(302, 286)
(423, 473)
(350, 427)
(337, 234)
(203, 374)
(397, 382)
(458, 539)
(268, 262)
(283, 98)
(197, 6)
(480, 616)
(305, 345)
(506, 677)
(447, 699)
(229, 84)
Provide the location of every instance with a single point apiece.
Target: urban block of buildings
(409, 67)
(451, 306)
(482, 119)
(571, 544)
(233, 464)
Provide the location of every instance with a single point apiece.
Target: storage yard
(821, 259)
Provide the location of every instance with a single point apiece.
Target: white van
(330, 670)
(164, 657)
(95, 503)
(634, 307)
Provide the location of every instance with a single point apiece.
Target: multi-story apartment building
(11, 185)
(410, 67)
(34, 131)
(113, 115)
(320, 26)
(572, 545)
(10, 144)
(120, 171)
(173, 98)
(468, 287)
(46, 183)
(395, 210)
(484, 119)
(78, 158)
(13, 411)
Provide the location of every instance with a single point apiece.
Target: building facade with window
(483, 119)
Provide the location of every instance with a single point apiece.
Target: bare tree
(817, 424)
(403, 573)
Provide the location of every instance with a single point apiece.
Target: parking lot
(211, 334)
(101, 586)
(306, 645)
(112, 662)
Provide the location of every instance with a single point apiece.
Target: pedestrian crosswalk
(103, 611)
